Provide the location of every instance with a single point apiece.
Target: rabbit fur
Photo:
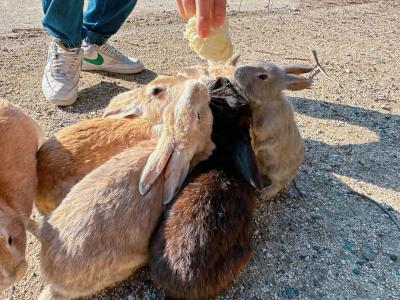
(275, 136)
(20, 139)
(100, 232)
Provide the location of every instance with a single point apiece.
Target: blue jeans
(66, 21)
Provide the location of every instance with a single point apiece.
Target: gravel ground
(330, 243)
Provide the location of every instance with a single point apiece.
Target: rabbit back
(19, 140)
(76, 150)
(204, 238)
(100, 233)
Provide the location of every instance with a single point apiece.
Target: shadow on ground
(372, 162)
(143, 77)
(97, 97)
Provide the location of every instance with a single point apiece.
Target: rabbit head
(186, 136)
(263, 80)
(148, 101)
(12, 246)
(231, 127)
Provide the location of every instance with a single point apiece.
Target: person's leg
(101, 20)
(63, 20)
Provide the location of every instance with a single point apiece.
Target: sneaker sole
(61, 102)
(113, 70)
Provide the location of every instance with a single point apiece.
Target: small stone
(380, 61)
(317, 248)
(348, 245)
(356, 271)
(393, 257)
(369, 254)
(289, 292)
(360, 262)
(347, 70)
(130, 297)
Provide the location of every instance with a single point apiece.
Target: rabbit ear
(125, 105)
(233, 60)
(175, 174)
(131, 111)
(155, 165)
(296, 83)
(296, 69)
(245, 161)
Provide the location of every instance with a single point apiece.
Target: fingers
(205, 14)
(181, 9)
(190, 7)
(203, 17)
(219, 12)
(187, 8)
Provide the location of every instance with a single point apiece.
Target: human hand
(208, 12)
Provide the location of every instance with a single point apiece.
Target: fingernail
(203, 32)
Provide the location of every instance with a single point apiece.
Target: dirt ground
(330, 243)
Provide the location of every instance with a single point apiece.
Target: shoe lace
(64, 63)
(111, 50)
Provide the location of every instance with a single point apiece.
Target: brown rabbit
(20, 137)
(76, 150)
(100, 232)
(204, 238)
(276, 139)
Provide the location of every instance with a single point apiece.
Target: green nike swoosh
(98, 61)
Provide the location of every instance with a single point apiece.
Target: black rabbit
(204, 238)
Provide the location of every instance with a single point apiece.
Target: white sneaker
(107, 58)
(61, 74)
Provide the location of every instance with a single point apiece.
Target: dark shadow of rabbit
(98, 96)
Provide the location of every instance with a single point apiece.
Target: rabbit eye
(263, 76)
(198, 116)
(10, 241)
(157, 91)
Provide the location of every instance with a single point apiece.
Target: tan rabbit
(76, 150)
(275, 137)
(100, 232)
(20, 137)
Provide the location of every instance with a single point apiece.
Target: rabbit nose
(237, 72)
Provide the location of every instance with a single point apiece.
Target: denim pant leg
(63, 20)
(103, 18)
